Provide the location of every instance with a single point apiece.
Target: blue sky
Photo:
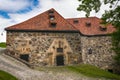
(27, 5)
(16, 11)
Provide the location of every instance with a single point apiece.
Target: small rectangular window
(53, 24)
(89, 51)
(60, 50)
(24, 57)
(75, 21)
(50, 11)
(51, 17)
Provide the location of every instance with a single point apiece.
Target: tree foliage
(111, 16)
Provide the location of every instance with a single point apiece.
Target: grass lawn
(6, 76)
(92, 71)
(87, 70)
(3, 44)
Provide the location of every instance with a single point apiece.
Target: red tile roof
(42, 22)
(94, 27)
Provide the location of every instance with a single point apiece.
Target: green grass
(3, 44)
(92, 71)
(86, 70)
(6, 76)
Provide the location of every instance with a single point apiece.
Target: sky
(16, 11)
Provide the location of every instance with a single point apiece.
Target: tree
(111, 16)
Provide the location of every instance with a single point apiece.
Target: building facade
(50, 40)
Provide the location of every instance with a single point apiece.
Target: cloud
(66, 8)
(17, 18)
(4, 22)
(13, 5)
(16, 6)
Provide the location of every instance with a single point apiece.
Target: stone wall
(41, 47)
(75, 49)
(97, 51)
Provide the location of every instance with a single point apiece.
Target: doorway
(60, 60)
(25, 57)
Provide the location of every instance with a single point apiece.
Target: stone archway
(59, 49)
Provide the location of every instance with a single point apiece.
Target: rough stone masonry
(50, 40)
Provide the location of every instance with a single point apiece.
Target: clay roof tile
(51, 20)
(43, 22)
(91, 26)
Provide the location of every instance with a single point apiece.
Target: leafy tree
(111, 16)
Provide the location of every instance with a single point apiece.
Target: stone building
(48, 39)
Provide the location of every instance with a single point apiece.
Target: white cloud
(67, 8)
(4, 22)
(13, 5)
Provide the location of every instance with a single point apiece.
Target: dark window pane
(75, 21)
(53, 25)
(60, 50)
(90, 51)
(24, 57)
